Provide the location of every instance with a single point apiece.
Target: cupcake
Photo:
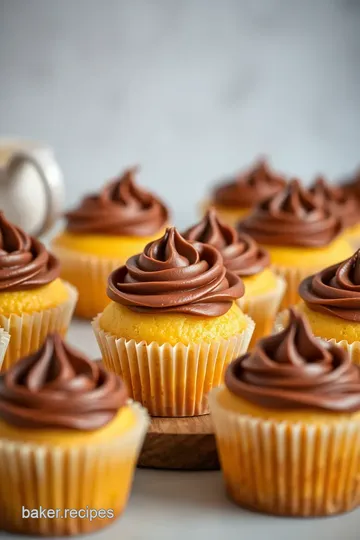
(102, 233)
(173, 325)
(33, 299)
(300, 233)
(331, 302)
(287, 425)
(70, 438)
(234, 199)
(343, 204)
(264, 290)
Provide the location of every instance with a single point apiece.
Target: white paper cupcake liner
(4, 342)
(68, 477)
(263, 309)
(289, 469)
(89, 274)
(352, 348)
(293, 278)
(171, 380)
(28, 331)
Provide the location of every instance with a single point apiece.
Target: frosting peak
(24, 261)
(341, 204)
(292, 217)
(175, 276)
(293, 369)
(121, 208)
(249, 187)
(335, 290)
(240, 252)
(59, 388)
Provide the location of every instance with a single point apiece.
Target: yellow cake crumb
(171, 328)
(38, 299)
(303, 257)
(236, 404)
(261, 283)
(330, 327)
(116, 247)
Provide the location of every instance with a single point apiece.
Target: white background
(189, 89)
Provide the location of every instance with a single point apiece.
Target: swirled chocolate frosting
(335, 290)
(344, 206)
(24, 261)
(240, 252)
(292, 217)
(121, 208)
(175, 276)
(294, 370)
(249, 187)
(59, 388)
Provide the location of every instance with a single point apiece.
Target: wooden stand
(180, 443)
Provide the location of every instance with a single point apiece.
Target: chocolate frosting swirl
(24, 261)
(295, 370)
(59, 388)
(292, 217)
(249, 187)
(240, 252)
(335, 290)
(174, 276)
(344, 206)
(121, 208)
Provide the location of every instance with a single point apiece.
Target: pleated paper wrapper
(293, 277)
(288, 469)
(4, 342)
(171, 380)
(263, 309)
(70, 477)
(28, 331)
(89, 274)
(352, 348)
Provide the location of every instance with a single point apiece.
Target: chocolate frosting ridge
(24, 261)
(175, 276)
(240, 252)
(249, 187)
(121, 208)
(292, 217)
(59, 388)
(294, 370)
(335, 290)
(343, 205)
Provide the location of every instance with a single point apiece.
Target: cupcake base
(171, 380)
(288, 469)
(67, 478)
(28, 331)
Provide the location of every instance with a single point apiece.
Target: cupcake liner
(4, 342)
(28, 331)
(89, 274)
(263, 309)
(71, 477)
(352, 348)
(293, 277)
(289, 469)
(171, 380)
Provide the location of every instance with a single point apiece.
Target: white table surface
(166, 505)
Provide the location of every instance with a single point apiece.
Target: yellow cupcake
(331, 303)
(287, 429)
(102, 233)
(69, 436)
(171, 333)
(33, 299)
(234, 199)
(263, 289)
(300, 234)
